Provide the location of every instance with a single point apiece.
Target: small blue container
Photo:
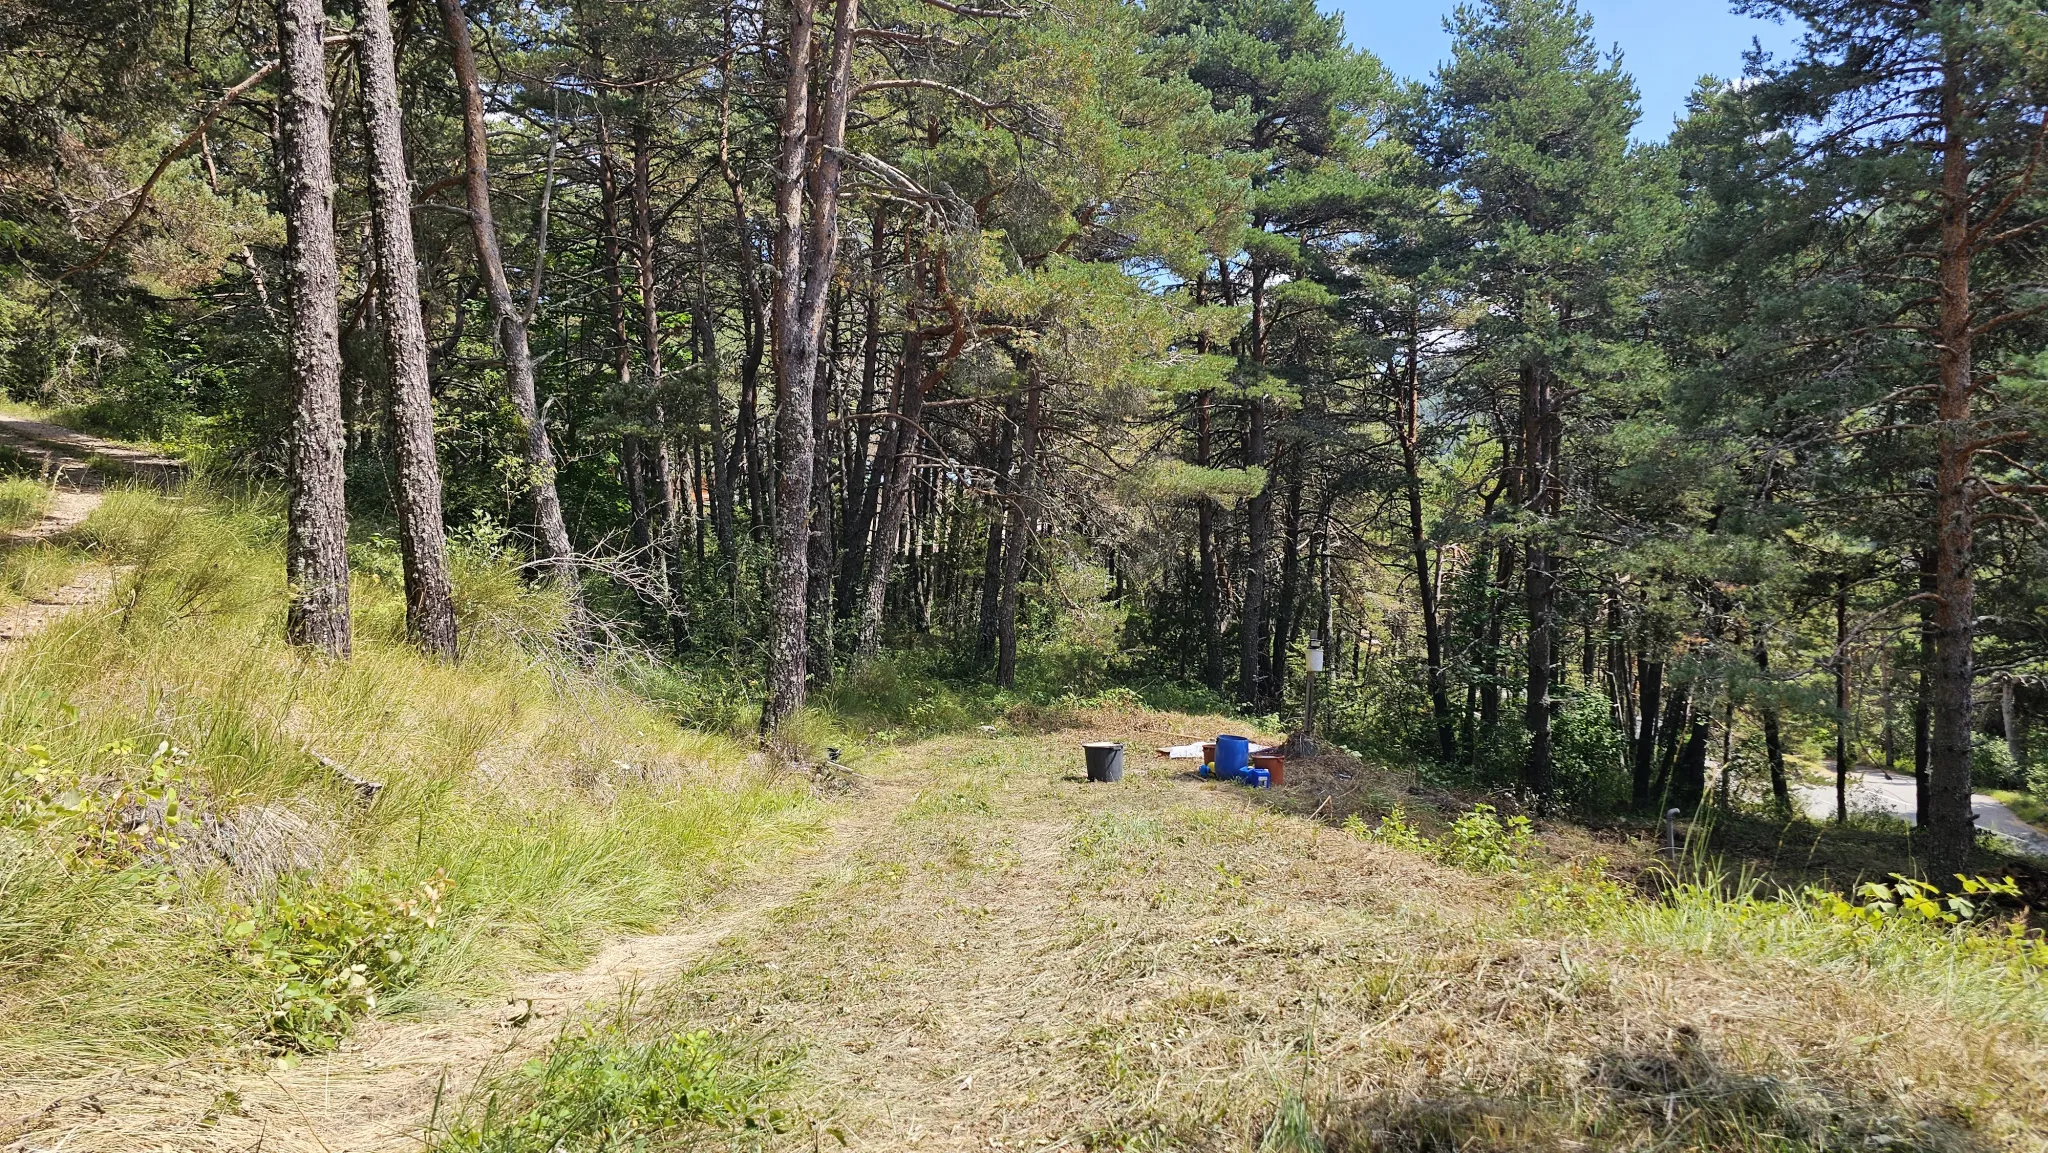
(1233, 756)
(1257, 778)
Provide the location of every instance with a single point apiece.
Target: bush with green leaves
(332, 952)
(1480, 840)
(1992, 766)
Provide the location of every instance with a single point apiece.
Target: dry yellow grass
(1017, 959)
(990, 953)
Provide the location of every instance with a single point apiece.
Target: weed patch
(332, 952)
(1478, 840)
(606, 1089)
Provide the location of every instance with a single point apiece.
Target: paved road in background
(1875, 791)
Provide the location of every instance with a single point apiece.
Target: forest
(1094, 343)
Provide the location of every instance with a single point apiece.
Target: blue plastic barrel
(1233, 756)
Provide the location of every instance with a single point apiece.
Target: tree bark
(1923, 717)
(2009, 718)
(1205, 530)
(1539, 575)
(803, 268)
(1651, 676)
(1408, 423)
(429, 605)
(986, 637)
(1841, 676)
(1284, 616)
(658, 456)
(1258, 520)
(1774, 741)
(1022, 519)
(551, 532)
(714, 412)
(1951, 825)
(316, 540)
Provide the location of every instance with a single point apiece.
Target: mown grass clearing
(1020, 960)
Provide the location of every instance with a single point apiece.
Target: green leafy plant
(1479, 840)
(117, 806)
(1393, 830)
(604, 1090)
(1911, 900)
(332, 952)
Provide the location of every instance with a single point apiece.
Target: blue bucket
(1233, 756)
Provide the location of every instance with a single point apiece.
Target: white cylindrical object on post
(1315, 658)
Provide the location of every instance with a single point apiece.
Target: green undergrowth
(898, 698)
(1966, 944)
(626, 1082)
(209, 840)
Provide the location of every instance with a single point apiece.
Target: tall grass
(559, 807)
(23, 501)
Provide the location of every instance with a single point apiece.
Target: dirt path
(379, 1090)
(77, 465)
(83, 461)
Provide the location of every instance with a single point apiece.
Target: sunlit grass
(560, 808)
(23, 502)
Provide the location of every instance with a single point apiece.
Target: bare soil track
(79, 466)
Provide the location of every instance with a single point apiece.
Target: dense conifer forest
(1108, 344)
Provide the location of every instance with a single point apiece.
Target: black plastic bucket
(1105, 761)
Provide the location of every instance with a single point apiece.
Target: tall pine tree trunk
(1650, 678)
(1022, 520)
(1774, 741)
(1258, 522)
(992, 549)
(551, 532)
(1205, 528)
(1951, 825)
(1539, 579)
(659, 457)
(316, 540)
(904, 444)
(803, 267)
(1923, 683)
(1408, 423)
(1841, 676)
(429, 607)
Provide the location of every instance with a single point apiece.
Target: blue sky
(1665, 44)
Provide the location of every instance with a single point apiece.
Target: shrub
(332, 953)
(1992, 766)
(1481, 841)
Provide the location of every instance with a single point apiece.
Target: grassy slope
(560, 809)
(1016, 959)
